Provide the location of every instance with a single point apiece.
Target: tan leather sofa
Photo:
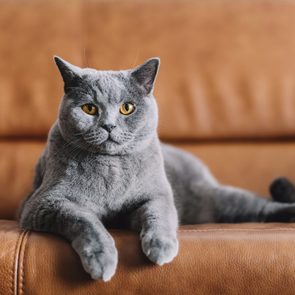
(226, 92)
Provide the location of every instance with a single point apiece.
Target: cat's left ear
(145, 74)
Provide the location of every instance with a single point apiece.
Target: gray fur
(88, 178)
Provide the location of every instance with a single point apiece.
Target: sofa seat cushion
(213, 259)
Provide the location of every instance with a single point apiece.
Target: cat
(104, 166)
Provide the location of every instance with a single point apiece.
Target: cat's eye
(89, 109)
(127, 108)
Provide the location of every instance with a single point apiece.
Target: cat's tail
(282, 190)
(237, 205)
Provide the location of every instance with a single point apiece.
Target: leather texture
(226, 92)
(227, 66)
(18, 159)
(213, 259)
(30, 85)
(11, 252)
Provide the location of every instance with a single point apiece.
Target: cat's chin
(109, 148)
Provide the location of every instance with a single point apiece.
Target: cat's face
(109, 112)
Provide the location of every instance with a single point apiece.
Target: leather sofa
(226, 92)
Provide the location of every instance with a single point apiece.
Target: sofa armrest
(213, 259)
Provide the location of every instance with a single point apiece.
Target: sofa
(226, 92)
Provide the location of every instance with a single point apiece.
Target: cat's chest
(106, 178)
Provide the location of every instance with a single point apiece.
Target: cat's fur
(283, 190)
(89, 178)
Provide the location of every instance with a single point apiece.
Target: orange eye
(89, 109)
(127, 108)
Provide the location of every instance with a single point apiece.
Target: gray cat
(104, 166)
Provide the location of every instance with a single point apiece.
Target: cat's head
(109, 112)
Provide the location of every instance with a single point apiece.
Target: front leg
(157, 222)
(80, 226)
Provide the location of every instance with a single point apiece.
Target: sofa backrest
(227, 69)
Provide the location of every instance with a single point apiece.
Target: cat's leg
(230, 204)
(282, 190)
(80, 226)
(38, 178)
(40, 170)
(199, 197)
(157, 222)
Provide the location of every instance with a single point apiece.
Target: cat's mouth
(106, 142)
(110, 138)
(101, 138)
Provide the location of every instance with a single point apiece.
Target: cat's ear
(146, 73)
(70, 74)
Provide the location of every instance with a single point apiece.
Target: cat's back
(181, 166)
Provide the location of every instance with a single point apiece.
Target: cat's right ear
(71, 74)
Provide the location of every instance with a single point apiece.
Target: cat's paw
(99, 261)
(160, 249)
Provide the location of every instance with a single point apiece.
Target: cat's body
(104, 184)
(101, 167)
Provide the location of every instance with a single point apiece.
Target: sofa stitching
(16, 262)
(236, 229)
(22, 262)
(13, 268)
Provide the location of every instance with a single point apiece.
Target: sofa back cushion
(228, 67)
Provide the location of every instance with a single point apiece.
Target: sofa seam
(15, 265)
(18, 250)
(23, 247)
(238, 229)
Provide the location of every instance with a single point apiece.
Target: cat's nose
(108, 127)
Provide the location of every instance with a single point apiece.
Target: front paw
(159, 248)
(100, 261)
